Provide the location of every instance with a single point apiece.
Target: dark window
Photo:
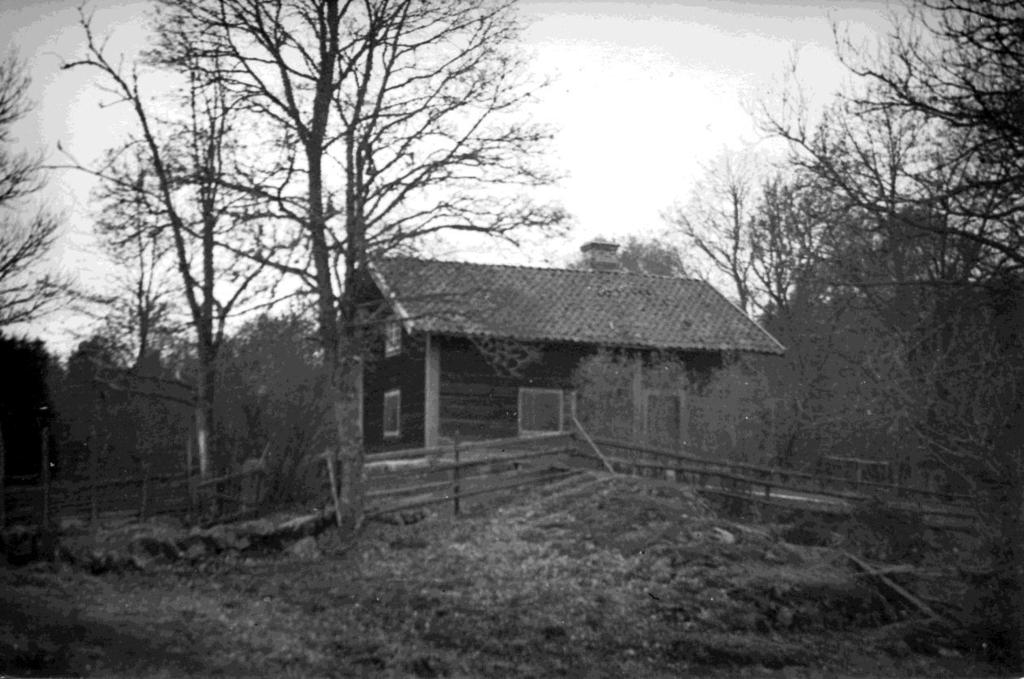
(392, 413)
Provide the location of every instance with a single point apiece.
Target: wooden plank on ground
(898, 589)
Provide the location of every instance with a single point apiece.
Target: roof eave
(448, 332)
(391, 298)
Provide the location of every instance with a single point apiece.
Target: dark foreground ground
(593, 577)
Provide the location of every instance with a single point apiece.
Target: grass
(592, 577)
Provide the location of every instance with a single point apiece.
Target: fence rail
(789, 478)
(451, 474)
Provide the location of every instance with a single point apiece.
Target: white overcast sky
(642, 94)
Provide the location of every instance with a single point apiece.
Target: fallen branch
(899, 590)
(329, 461)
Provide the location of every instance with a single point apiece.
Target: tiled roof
(610, 308)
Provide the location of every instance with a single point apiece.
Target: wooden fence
(418, 477)
(395, 481)
(410, 479)
(128, 497)
(629, 452)
(451, 474)
(224, 498)
(781, 487)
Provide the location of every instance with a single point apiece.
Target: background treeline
(105, 416)
(897, 350)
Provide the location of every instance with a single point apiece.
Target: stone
(155, 547)
(196, 551)
(413, 516)
(784, 617)
(214, 540)
(900, 649)
(661, 570)
(305, 549)
(723, 536)
(99, 562)
(259, 526)
(68, 554)
(240, 543)
(218, 538)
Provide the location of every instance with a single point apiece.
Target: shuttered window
(540, 411)
(392, 338)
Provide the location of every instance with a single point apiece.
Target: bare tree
(387, 121)
(791, 236)
(761, 231)
(26, 234)
(925, 153)
(931, 126)
(957, 68)
(175, 171)
(715, 223)
(144, 312)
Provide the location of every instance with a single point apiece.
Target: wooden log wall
(479, 401)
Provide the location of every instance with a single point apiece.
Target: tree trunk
(1005, 508)
(204, 412)
(3, 470)
(335, 328)
(1013, 532)
(202, 439)
(1017, 595)
(347, 389)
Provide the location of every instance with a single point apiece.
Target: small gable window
(540, 411)
(392, 413)
(392, 338)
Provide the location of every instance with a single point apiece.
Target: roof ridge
(617, 272)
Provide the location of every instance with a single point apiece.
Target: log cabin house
(479, 351)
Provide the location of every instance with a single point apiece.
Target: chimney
(601, 255)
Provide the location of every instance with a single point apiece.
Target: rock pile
(143, 546)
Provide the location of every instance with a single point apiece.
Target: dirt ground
(592, 577)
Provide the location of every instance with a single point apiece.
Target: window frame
(519, 411)
(392, 337)
(396, 396)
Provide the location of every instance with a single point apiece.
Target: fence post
(188, 478)
(455, 478)
(3, 471)
(45, 476)
(93, 500)
(145, 493)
